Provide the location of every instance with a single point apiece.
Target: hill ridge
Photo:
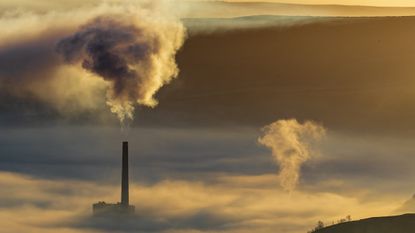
(384, 224)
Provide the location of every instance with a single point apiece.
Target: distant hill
(303, 70)
(222, 9)
(393, 224)
(195, 25)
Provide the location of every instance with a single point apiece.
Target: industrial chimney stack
(124, 176)
(121, 208)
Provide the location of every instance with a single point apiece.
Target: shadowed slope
(220, 9)
(392, 224)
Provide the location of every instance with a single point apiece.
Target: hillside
(393, 224)
(222, 9)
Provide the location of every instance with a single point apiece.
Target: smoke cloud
(80, 60)
(291, 143)
(135, 56)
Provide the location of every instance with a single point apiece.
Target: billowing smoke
(80, 60)
(136, 57)
(292, 144)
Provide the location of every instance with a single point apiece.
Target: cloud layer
(231, 204)
(194, 180)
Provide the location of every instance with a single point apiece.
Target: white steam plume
(292, 144)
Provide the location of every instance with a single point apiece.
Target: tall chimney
(124, 182)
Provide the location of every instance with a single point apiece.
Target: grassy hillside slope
(393, 224)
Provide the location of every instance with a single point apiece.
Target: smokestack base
(108, 209)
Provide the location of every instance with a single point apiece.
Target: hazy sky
(216, 9)
(342, 2)
(327, 2)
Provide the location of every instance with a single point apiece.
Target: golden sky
(218, 9)
(58, 4)
(393, 3)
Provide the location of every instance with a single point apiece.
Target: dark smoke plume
(135, 58)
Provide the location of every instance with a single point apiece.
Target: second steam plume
(291, 143)
(135, 56)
